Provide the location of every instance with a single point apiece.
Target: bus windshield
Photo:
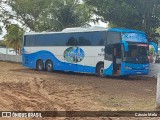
(137, 53)
(134, 37)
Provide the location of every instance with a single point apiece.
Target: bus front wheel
(49, 66)
(100, 70)
(40, 65)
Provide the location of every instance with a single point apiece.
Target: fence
(158, 91)
(11, 58)
(154, 69)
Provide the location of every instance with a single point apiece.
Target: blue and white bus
(102, 51)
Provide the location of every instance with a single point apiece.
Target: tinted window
(92, 38)
(40, 40)
(134, 37)
(29, 40)
(51, 40)
(109, 52)
(99, 38)
(113, 37)
(85, 39)
(72, 41)
(137, 53)
(24, 41)
(66, 39)
(45, 40)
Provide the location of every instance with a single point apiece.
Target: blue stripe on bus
(58, 65)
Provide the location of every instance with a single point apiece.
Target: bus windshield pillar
(125, 46)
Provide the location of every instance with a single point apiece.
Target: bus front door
(108, 60)
(117, 59)
(112, 63)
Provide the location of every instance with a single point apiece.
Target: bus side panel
(27, 58)
(46, 55)
(87, 65)
(93, 55)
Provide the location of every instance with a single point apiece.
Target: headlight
(126, 67)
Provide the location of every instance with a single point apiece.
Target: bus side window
(24, 41)
(85, 38)
(84, 42)
(29, 40)
(108, 52)
(72, 41)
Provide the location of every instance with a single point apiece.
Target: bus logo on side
(73, 54)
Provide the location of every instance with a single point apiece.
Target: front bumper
(134, 72)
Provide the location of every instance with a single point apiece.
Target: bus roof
(88, 29)
(83, 29)
(124, 30)
(72, 30)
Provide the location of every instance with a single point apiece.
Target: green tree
(1, 17)
(50, 15)
(136, 14)
(158, 31)
(13, 38)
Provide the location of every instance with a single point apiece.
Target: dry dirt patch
(25, 89)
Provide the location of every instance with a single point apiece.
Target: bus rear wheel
(40, 65)
(49, 66)
(100, 70)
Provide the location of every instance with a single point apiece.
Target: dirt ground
(23, 89)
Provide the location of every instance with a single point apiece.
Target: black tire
(100, 70)
(40, 65)
(49, 66)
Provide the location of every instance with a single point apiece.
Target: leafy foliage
(136, 14)
(13, 38)
(2, 44)
(42, 15)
